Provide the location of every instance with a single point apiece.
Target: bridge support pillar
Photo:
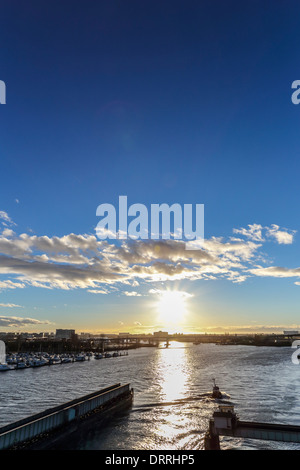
(211, 439)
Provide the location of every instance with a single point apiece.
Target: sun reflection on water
(173, 378)
(173, 372)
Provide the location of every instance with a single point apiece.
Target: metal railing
(53, 418)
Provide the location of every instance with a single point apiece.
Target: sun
(172, 307)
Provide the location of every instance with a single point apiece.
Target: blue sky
(186, 102)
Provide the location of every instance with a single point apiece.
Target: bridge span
(226, 423)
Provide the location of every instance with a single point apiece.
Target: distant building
(291, 332)
(10, 336)
(85, 336)
(160, 334)
(124, 335)
(64, 334)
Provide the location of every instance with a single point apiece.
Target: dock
(226, 423)
(42, 429)
(21, 361)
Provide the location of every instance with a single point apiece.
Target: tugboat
(216, 391)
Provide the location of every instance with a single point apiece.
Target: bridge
(123, 341)
(250, 339)
(226, 423)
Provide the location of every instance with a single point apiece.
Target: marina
(23, 361)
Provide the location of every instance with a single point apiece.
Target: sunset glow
(172, 307)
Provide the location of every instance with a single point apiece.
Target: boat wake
(202, 397)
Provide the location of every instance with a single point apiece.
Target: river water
(171, 408)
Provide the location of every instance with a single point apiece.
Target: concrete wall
(54, 418)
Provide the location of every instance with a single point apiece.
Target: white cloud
(281, 236)
(98, 291)
(8, 284)
(18, 321)
(275, 271)
(5, 217)
(132, 294)
(254, 232)
(11, 305)
(7, 232)
(83, 262)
